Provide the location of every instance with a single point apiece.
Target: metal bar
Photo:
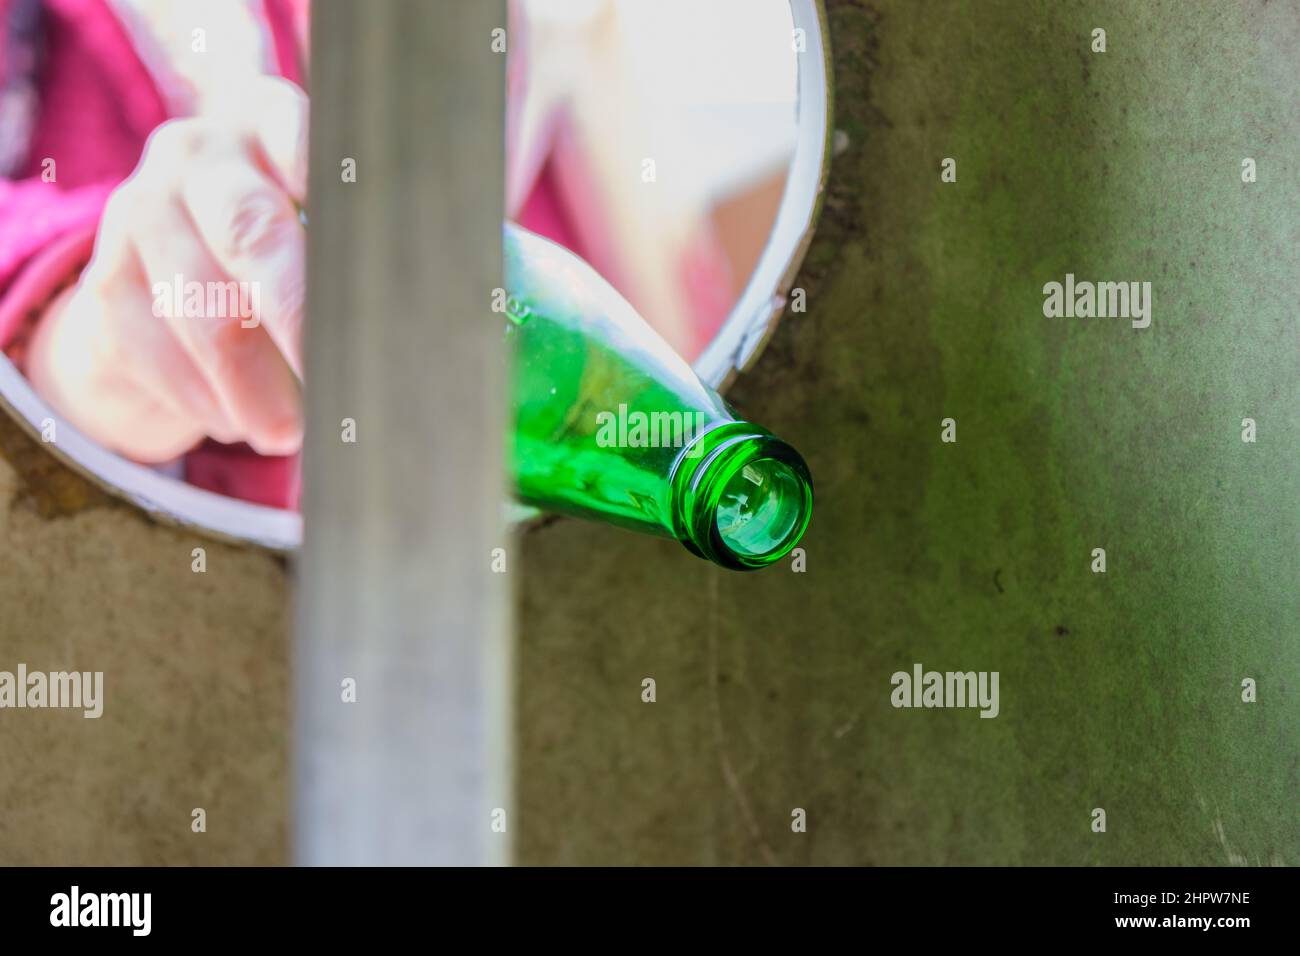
(396, 590)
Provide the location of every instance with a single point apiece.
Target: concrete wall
(1119, 691)
(195, 681)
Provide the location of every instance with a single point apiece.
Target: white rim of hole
(734, 349)
(167, 499)
(754, 317)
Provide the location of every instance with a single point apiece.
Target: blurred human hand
(187, 322)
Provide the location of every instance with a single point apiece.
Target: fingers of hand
(79, 362)
(216, 242)
(252, 229)
(269, 115)
(222, 358)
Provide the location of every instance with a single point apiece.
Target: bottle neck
(741, 497)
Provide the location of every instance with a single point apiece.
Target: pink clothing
(97, 107)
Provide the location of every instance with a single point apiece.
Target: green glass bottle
(611, 424)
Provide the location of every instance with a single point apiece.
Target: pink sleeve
(96, 105)
(46, 236)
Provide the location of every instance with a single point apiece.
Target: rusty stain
(47, 485)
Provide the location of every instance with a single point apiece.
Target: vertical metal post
(395, 585)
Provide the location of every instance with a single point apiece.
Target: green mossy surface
(1120, 691)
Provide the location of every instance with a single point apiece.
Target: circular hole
(785, 196)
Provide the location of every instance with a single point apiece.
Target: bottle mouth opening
(760, 508)
(747, 502)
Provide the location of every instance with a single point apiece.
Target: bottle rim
(710, 466)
